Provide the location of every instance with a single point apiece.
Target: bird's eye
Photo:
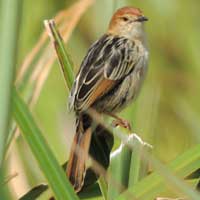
(125, 19)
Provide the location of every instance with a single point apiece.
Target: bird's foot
(121, 122)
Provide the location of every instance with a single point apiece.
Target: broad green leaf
(42, 152)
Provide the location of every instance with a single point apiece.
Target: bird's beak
(142, 19)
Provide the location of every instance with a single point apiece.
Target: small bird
(110, 76)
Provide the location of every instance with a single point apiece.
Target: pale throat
(133, 33)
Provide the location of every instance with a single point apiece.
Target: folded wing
(109, 59)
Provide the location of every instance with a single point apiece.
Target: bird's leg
(119, 121)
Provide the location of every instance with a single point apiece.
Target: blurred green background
(166, 113)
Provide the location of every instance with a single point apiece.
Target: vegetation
(34, 101)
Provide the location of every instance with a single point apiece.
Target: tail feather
(76, 167)
(97, 142)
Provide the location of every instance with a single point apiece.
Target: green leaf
(119, 171)
(89, 190)
(150, 186)
(194, 175)
(92, 191)
(127, 166)
(53, 172)
(10, 17)
(63, 57)
(139, 165)
(34, 192)
(103, 187)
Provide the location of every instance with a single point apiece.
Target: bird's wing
(124, 56)
(108, 60)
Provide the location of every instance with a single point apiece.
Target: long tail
(76, 167)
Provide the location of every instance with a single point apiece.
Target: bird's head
(127, 22)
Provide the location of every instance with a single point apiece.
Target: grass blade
(150, 186)
(119, 171)
(43, 154)
(63, 57)
(34, 192)
(92, 191)
(127, 166)
(138, 166)
(153, 184)
(103, 187)
(10, 16)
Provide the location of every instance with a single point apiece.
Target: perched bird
(109, 77)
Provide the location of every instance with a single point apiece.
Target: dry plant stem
(67, 19)
(66, 29)
(9, 178)
(61, 19)
(30, 57)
